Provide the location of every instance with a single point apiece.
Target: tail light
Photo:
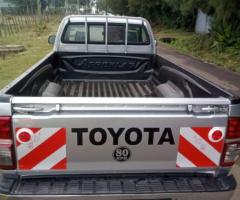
(232, 145)
(7, 160)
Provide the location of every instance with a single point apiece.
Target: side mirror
(51, 39)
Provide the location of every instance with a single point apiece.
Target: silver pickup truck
(104, 117)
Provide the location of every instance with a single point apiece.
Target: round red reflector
(24, 135)
(217, 135)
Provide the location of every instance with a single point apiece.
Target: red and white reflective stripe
(184, 162)
(46, 149)
(52, 160)
(39, 137)
(198, 148)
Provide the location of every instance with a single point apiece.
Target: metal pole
(142, 9)
(78, 6)
(106, 4)
(39, 14)
(66, 7)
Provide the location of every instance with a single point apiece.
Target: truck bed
(130, 76)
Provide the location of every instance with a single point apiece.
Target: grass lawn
(197, 46)
(34, 39)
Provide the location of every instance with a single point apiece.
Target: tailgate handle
(210, 109)
(206, 109)
(27, 109)
(37, 109)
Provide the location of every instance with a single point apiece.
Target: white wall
(203, 23)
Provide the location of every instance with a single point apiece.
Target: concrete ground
(236, 172)
(218, 75)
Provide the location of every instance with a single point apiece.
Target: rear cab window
(74, 33)
(96, 33)
(116, 34)
(137, 35)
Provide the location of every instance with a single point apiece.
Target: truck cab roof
(106, 18)
(105, 34)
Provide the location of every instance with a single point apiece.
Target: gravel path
(218, 75)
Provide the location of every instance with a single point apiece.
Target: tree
(114, 6)
(23, 3)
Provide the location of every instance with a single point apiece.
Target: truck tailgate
(97, 135)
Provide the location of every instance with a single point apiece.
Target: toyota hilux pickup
(104, 117)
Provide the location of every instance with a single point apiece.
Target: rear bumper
(119, 187)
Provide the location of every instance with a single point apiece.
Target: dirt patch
(167, 40)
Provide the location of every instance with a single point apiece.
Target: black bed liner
(110, 75)
(109, 88)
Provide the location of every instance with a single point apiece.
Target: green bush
(225, 36)
(202, 46)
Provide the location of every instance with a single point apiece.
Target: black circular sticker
(121, 154)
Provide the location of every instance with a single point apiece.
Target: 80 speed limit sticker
(121, 154)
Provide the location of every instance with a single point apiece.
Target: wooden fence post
(21, 18)
(14, 23)
(27, 18)
(1, 24)
(18, 14)
(10, 25)
(6, 23)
